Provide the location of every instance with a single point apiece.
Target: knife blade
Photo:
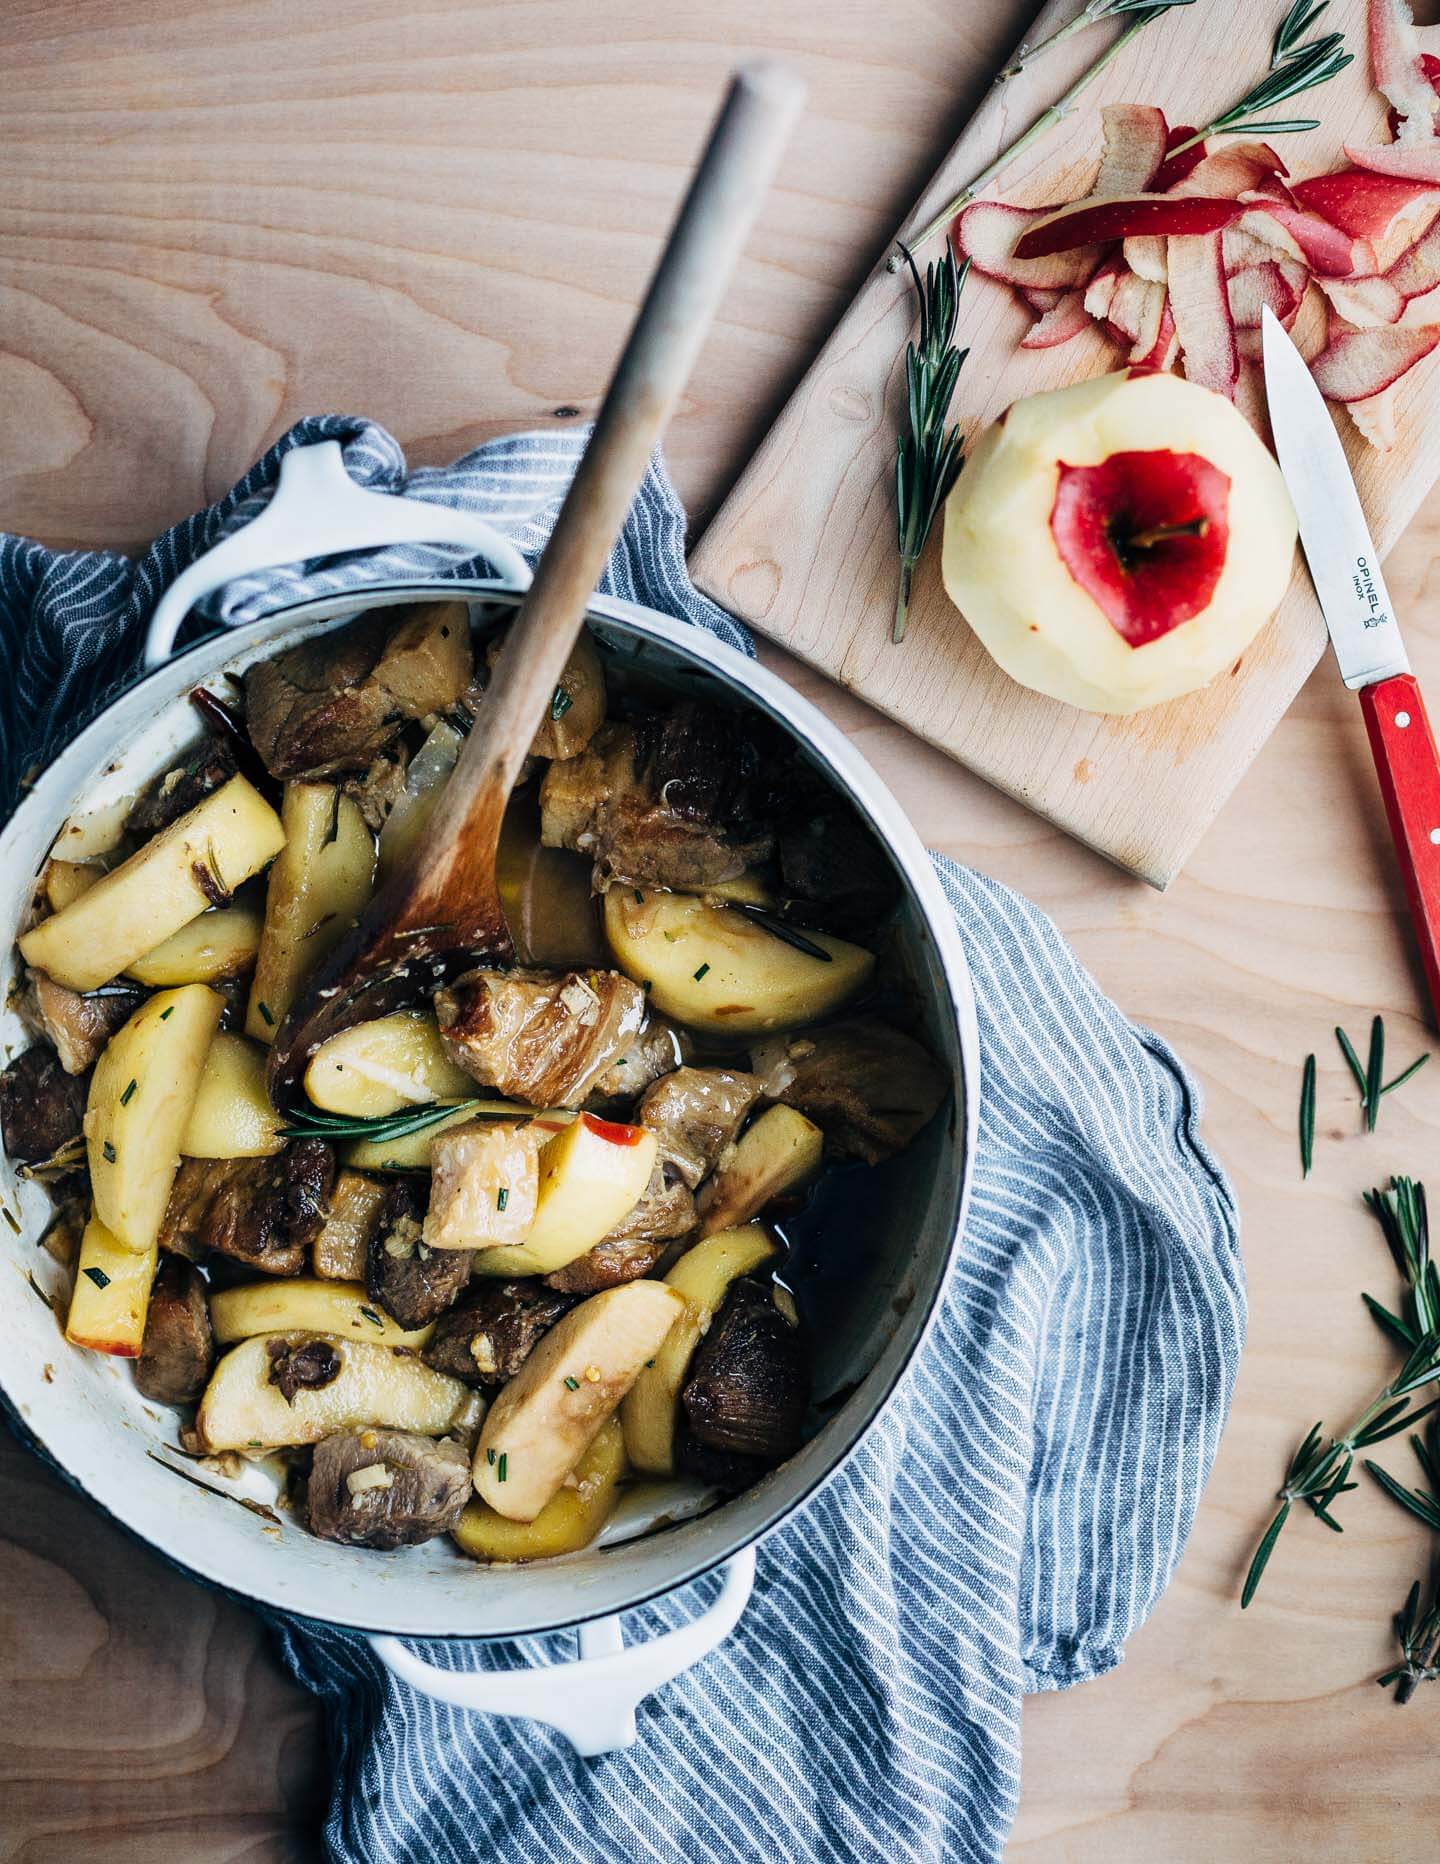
(1345, 569)
(1344, 563)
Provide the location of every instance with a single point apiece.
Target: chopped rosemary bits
(502, 1197)
(572, 1385)
(561, 703)
(167, 1013)
(500, 1466)
(701, 972)
(639, 897)
(109, 1152)
(265, 1015)
(490, 1455)
(129, 1093)
(1307, 1117)
(99, 1277)
(374, 1319)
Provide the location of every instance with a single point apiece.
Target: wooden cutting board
(804, 547)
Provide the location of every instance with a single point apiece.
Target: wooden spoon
(440, 912)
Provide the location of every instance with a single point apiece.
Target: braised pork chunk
(538, 1036)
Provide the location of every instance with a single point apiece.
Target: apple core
(1145, 535)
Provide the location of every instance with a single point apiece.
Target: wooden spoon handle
(695, 268)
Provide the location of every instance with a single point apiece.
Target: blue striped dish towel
(1023, 1501)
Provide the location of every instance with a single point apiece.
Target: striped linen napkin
(1023, 1501)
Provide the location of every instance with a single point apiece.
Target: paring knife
(1345, 569)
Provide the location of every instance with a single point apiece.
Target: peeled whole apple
(1119, 543)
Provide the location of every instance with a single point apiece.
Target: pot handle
(592, 1702)
(317, 510)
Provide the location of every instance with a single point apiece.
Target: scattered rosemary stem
(1042, 125)
(1027, 53)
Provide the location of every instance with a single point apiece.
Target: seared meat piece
(178, 1350)
(412, 1282)
(167, 797)
(669, 802)
(865, 1085)
(537, 1036)
(833, 872)
(335, 702)
(695, 1113)
(749, 1383)
(376, 791)
(263, 1212)
(342, 1246)
(419, 1488)
(41, 1107)
(302, 1365)
(659, 1048)
(717, 1469)
(484, 1185)
(488, 1337)
(79, 1027)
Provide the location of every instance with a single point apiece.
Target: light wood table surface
(215, 217)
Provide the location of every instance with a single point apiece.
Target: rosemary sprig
(1418, 1635)
(1294, 67)
(929, 456)
(1089, 15)
(1370, 1079)
(1423, 1504)
(1307, 1117)
(1404, 1219)
(308, 1123)
(1319, 1471)
(1042, 125)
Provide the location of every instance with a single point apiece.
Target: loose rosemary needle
(1307, 1117)
(1369, 1078)
(928, 455)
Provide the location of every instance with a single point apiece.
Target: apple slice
(1363, 203)
(1065, 319)
(1094, 222)
(1310, 331)
(1417, 270)
(1406, 161)
(1396, 70)
(1254, 287)
(1145, 256)
(1234, 169)
(1240, 247)
(1430, 71)
(1364, 302)
(1306, 237)
(1201, 307)
(1164, 348)
(1178, 161)
(1101, 290)
(1040, 300)
(1134, 151)
(1357, 364)
(1134, 308)
(1374, 417)
(987, 233)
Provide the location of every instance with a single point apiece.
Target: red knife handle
(1408, 766)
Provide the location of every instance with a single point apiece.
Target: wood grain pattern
(190, 255)
(804, 547)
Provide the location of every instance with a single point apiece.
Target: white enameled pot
(83, 1408)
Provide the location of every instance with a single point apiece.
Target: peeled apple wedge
(702, 1277)
(318, 886)
(310, 1307)
(231, 1116)
(571, 1519)
(591, 1175)
(775, 1154)
(1119, 543)
(549, 1414)
(381, 1385)
(111, 1296)
(383, 1066)
(141, 1096)
(215, 946)
(64, 881)
(224, 839)
(712, 967)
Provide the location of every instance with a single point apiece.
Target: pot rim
(804, 721)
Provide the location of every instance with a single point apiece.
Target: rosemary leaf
(1374, 1072)
(1347, 1049)
(1262, 1554)
(1307, 1116)
(308, 1123)
(1424, 1507)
